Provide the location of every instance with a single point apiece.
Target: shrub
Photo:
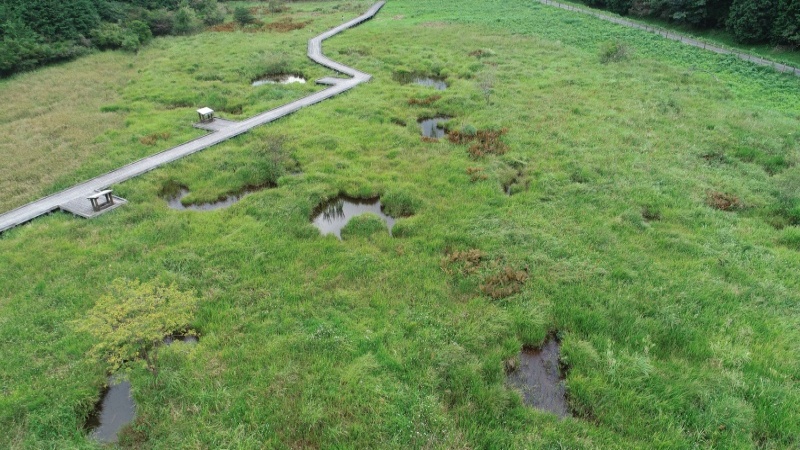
(273, 159)
(108, 35)
(243, 16)
(186, 21)
(133, 317)
(141, 30)
(209, 11)
(160, 21)
(614, 51)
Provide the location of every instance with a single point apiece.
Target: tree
(786, 30)
(59, 20)
(751, 21)
(243, 15)
(185, 21)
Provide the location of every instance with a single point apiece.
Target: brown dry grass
(476, 174)
(505, 283)
(45, 133)
(151, 139)
(227, 27)
(462, 261)
(483, 142)
(286, 25)
(723, 201)
(424, 101)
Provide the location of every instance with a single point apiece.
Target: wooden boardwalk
(785, 68)
(53, 202)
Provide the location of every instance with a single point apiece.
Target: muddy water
(439, 85)
(169, 340)
(430, 127)
(540, 380)
(333, 215)
(174, 201)
(286, 78)
(115, 410)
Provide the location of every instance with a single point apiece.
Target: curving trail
(228, 130)
(785, 68)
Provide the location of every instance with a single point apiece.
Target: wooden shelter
(206, 114)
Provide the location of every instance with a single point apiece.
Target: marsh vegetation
(653, 223)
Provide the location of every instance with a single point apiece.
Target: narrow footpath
(678, 37)
(53, 202)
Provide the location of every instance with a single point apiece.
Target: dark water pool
(189, 339)
(331, 216)
(174, 200)
(115, 409)
(430, 127)
(435, 83)
(539, 378)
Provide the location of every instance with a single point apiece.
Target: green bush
(160, 21)
(186, 21)
(108, 35)
(243, 16)
(133, 317)
(614, 51)
(209, 11)
(141, 30)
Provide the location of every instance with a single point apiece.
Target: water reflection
(332, 216)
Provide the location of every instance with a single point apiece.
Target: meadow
(654, 210)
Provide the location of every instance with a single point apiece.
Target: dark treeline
(37, 32)
(775, 22)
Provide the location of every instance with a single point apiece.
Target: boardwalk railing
(785, 68)
(53, 202)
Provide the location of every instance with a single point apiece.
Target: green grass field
(655, 211)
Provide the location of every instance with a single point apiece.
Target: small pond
(333, 215)
(437, 84)
(284, 78)
(114, 410)
(539, 378)
(174, 200)
(430, 127)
